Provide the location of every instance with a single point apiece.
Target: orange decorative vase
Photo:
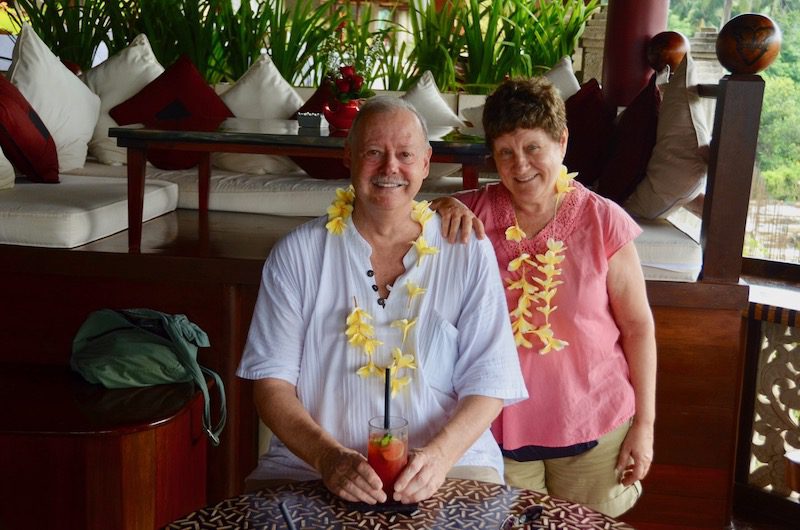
(341, 115)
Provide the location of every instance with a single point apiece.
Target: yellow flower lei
(359, 332)
(543, 291)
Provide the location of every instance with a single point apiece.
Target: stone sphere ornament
(667, 48)
(748, 43)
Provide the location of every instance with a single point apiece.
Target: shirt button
(370, 273)
(381, 302)
(375, 288)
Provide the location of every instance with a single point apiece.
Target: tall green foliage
(296, 34)
(437, 40)
(184, 27)
(242, 35)
(550, 31)
(488, 56)
(779, 135)
(474, 44)
(396, 69)
(466, 44)
(72, 30)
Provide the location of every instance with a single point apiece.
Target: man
(374, 285)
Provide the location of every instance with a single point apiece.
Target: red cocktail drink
(387, 450)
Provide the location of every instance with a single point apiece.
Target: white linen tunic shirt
(462, 339)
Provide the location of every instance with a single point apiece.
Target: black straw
(286, 516)
(387, 397)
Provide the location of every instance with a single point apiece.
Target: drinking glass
(387, 450)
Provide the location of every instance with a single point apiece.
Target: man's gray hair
(384, 105)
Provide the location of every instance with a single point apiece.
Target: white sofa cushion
(65, 105)
(6, 173)
(76, 211)
(115, 80)
(261, 93)
(667, 253)
(290, 195)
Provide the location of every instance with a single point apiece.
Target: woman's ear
(563, 142)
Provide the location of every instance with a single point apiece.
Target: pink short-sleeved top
(583, 391)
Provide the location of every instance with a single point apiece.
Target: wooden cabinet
(77, 456)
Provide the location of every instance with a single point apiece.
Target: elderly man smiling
(436, 314)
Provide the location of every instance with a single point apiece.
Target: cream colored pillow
(67, 107)
(261, 93)
(563, 78)
(6, 173)
(428, 101)
(115, 80)
(677, 168)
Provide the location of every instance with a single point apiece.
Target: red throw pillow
(24, 138)
(631, 145)
(590, 121)
(179, 99)
(318, 167)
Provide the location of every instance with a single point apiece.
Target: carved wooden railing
(770, 419)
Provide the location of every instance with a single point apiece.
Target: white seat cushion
(289, 195)
(76, 211)
(667, 253)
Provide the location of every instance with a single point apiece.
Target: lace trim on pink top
(559, 228)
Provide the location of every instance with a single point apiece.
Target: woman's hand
(347, 474)
(422, 476)
(636, 454)
(457, 220)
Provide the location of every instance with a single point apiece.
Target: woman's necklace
(541, 291)
(360, 333)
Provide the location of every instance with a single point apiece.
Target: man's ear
(427, 168)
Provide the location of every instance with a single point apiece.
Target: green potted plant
(72, 30)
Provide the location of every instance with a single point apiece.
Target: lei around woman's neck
(538, 291)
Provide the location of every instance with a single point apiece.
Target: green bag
(143, 347)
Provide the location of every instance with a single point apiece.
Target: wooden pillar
(631, 24)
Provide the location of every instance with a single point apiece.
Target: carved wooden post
(745, 52)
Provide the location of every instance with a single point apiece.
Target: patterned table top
(459, 504)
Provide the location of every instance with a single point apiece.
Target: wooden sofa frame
(211, 270)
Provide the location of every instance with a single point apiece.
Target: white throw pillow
(563, 78)
(261, 93)
(115, 80)
(677, 168)
(67, 107)
(428, 101)
(6, 173)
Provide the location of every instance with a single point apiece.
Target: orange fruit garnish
(394, 450)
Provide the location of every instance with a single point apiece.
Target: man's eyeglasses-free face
(530, 514)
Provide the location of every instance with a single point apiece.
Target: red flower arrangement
(347, 84)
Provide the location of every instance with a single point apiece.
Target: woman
(578, 306)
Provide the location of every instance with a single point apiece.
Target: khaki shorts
(588, 478)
